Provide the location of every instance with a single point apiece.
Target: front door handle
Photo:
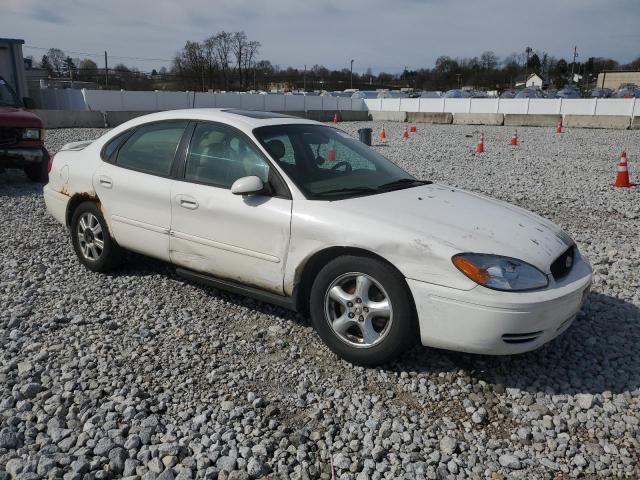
(105, 181)
(187, 202)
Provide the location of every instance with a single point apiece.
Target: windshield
(7, 95)
(327, 164)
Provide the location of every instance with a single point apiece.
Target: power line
(89, 54)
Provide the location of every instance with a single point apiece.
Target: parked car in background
(392, 94)
(457, 93)
(21, 135)
(365, 94)
(298, 213)
(530, 93)
(431, 94)
(508, 94)
(601, 93)
(628, 90)
(569, 91)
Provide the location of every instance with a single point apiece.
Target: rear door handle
(187, 202)
(105, 181)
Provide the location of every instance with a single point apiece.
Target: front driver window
(219, 156)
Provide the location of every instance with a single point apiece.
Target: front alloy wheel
(358, 309)
(362, 308)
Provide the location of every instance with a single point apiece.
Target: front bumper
(20, 157)
(499, 323)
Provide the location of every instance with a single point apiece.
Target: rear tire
(37, 172)
(91, 240)
(362, 309)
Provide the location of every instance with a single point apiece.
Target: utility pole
(106, 72)
(304, 79)
(528, 51)
(351, 74)
(573, 65)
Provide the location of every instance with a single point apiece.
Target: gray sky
(384, 35)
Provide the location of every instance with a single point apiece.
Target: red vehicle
(21, 136)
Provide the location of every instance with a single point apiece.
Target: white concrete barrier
(70, 119)
(478, 118)
(531, 120)
(386, 116)
(597, 121)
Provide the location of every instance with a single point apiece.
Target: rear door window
(152, 148)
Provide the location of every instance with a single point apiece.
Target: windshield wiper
(347, 190)
(403, 182)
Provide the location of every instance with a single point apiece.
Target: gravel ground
(139, 374)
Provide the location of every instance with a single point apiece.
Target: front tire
(91, 240)
(362, 309)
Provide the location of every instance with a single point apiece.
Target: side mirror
(247, 186)
(29, 103)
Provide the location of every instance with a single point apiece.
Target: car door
(234, 237)
(134, 186)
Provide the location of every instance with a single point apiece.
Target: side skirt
(240, 289)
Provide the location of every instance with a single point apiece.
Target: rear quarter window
(112, 145)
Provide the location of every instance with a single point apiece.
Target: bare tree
(87, 70)
(189, 64)
(224, 42)
(56, 60)
(251, 53)
(489, 60)
(209, 49)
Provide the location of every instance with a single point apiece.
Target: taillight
(50, 163)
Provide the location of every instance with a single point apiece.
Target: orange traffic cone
(622, 177)
(559, 127)
(514, 138)
(383, 135)
(331, 155)
(480, 146)
(335, 118)
(405, 134)
(413, 129)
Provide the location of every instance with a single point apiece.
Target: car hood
(466, 222)
(18, 117)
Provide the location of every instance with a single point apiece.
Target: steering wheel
(347, 166)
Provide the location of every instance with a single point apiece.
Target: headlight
(31, 134)
(500, 273)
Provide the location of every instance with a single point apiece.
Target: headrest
(211, 138)
(275, 148)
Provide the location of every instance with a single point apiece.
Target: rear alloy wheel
(92, 243)
(362, 309)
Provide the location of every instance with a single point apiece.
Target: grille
(520, 337)
(9, 136)
(562, 265)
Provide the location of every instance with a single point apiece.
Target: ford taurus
(298, 213)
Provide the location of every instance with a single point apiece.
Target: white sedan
(297, 213)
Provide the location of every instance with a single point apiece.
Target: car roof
(242, 119)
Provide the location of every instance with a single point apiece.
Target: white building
(534, 81)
